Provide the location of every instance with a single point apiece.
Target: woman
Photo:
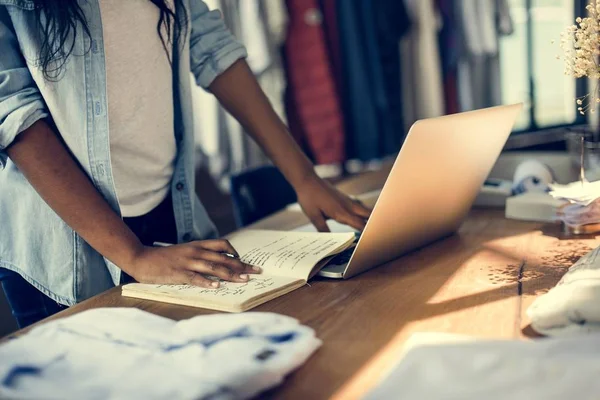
(96, 148)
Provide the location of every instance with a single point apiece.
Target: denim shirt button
(187, 237)
(179, 186)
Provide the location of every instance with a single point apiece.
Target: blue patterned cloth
(126, 353)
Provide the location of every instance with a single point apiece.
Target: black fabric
(370, 31)
(156, 226)
(258, 193)
(392, 22)
(28, 305)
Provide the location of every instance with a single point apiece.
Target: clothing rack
(351, 76)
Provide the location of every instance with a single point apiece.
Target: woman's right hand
(190, 264)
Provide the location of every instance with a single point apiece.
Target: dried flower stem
(581, 46)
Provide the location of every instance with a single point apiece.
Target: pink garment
(312, 94)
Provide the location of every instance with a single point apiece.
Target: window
(530, 71)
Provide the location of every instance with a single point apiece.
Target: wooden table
(479, 282)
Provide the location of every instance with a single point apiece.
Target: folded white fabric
(573, 305)
(576, 192)
(548, 369)
(126, 353)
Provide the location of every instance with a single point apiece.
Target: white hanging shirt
(140, 104)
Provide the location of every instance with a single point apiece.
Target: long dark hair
(60, 21)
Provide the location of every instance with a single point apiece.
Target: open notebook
(288, 260)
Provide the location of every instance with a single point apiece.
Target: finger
(219, 270)
(318, 220)
(219, 245)
(187, 277)
(233, 263)
(360, 209)
(353, 220)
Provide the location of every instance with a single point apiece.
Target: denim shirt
(34, 240)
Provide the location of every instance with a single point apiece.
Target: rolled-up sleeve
(21, 103)
(213, 48)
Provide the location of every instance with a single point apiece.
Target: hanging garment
(272, 19)
(367, 19)
(272, 80)
(332, 36)
(451, 47)
(423, 95)
(362, 125)
(505, 22)
(274, 13)
(482, 22)
(313, 105)
(205, 116)
(236, 146)
(392, 23)
(259, 25)
(369, 35)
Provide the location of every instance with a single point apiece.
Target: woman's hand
(190, 264)
(320, 201)
(239, 92)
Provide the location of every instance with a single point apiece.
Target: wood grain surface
(478, 282)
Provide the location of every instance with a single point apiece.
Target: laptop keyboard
(343, 257)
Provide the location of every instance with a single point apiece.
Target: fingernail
(244, 276)
(257, 269)
(215, 284)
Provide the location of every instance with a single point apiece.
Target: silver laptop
(434, 181)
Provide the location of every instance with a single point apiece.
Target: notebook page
(291, 254)
(228, 297)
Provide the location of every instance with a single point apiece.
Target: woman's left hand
(321, 201)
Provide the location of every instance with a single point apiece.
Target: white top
(140, 104)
